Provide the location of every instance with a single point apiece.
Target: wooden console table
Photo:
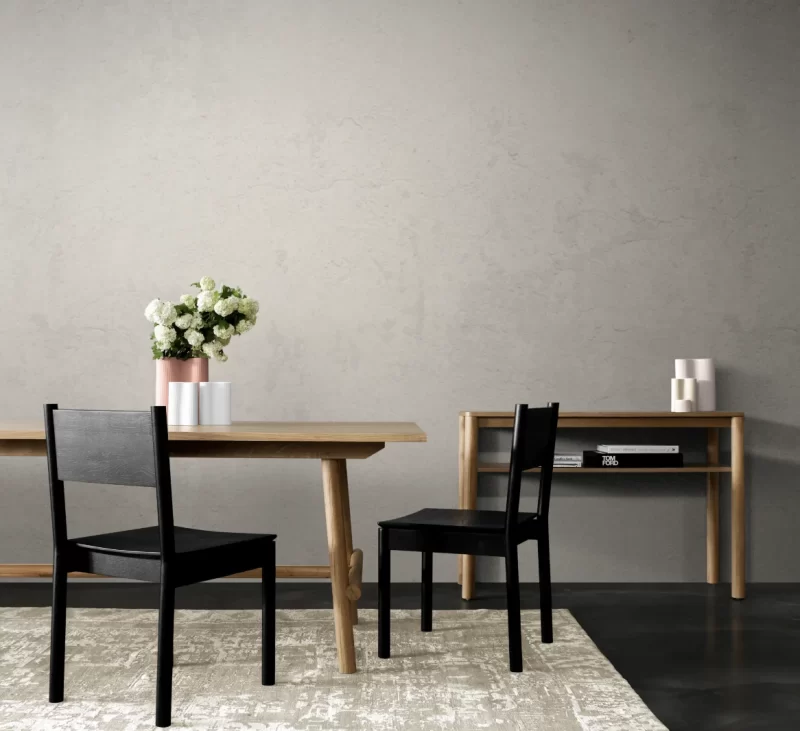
(471, 422)
(331, 442)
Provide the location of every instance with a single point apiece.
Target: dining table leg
(335, 493)
(344, 494)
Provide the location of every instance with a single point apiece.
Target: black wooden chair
(130, 448)
(482, 533)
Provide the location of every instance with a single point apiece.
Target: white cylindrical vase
(215, 403)
(702, 370)
(683, 389)
(706, 377)
(684, 368)
(182, 404)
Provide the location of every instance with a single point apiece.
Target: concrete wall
(441, 206)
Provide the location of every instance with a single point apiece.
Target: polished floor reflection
(698, 659)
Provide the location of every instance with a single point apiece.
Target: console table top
(617, 414)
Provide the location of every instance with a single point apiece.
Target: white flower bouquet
(201, 325)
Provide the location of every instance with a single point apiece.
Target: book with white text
(632, 459)
(638, 448)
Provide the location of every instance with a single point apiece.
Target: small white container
(215, 403)
(684, 389)
(682, 405)
(182, 404)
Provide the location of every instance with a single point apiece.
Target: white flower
(226, 306)
(189, 300)
(197, 320)
(165, 336)
(151, 309)
(185, 321)
(206, 301)
(244, 326)
(212, 348)
(224, 331)
(160, 313)
(207, 284)
(194, 338)
(248, 307)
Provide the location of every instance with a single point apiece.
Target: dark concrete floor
(701, 661)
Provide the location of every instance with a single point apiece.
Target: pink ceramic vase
(193, 370)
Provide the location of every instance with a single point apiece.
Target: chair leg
(268, 618)
(426, 622)
(384, 592)
(545, 589)
(166, 626)
(58, 630)
(513, 607)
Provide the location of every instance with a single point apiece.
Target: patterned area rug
(455, 677)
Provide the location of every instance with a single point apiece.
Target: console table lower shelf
(469, 468)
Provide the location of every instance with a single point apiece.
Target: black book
(592, 458)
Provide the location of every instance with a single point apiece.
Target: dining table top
(263, 431)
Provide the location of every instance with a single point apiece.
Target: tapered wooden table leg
(344, 492)
(738, 542)
(470, 489)
(332, 470)
(712, 510)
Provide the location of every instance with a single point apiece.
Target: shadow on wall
(771, 469)
(772, 463)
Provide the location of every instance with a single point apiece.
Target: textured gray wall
(441, 206)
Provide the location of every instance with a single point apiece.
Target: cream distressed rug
(455, 677)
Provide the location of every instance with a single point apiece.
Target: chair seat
(476, 521)
(146, 541)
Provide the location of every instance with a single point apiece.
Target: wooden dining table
(333, 443)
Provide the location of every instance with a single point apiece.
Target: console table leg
(712, 510)
(738, 553)
(462, 446)
(470, 497)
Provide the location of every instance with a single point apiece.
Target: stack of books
(634, 455)
(568, 460)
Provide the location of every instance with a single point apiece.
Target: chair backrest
(533, 445)
(112, 448)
